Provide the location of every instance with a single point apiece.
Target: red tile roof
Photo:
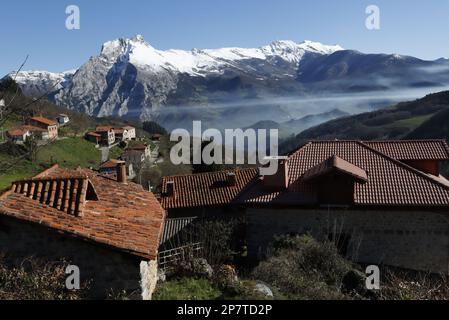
(21, 130)
(205, 189)
(336, 164)
(86, 204)
(94, 134)
(45, 121)
(390, 182)
(112, 163)
(103, 128)
(412, 149)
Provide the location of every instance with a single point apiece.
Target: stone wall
(408, 239)
(106, 267)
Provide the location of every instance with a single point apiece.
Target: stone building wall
(107, 268)
(408, 239)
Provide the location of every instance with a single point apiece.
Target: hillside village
(90, 197)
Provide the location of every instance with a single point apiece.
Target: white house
(62, 119)
(131, 132)
(20, 134)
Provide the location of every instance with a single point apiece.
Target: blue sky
(37, 28)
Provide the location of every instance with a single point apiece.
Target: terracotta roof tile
(112, 163)
(94, 134)
(45, 121)
(87, 204)
(412, 149)
(21, 130)
(103, 128)
(390, 182)
(205, 189)
(335, 163)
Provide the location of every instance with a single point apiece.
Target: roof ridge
(46, 171)
(406, 166)
(209, 173)
(404, 141)
(299, 149)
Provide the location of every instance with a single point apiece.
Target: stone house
(381, 202)
(47, 124)
(189, 199)
(109, 228)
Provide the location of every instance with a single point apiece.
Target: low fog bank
(281, 110)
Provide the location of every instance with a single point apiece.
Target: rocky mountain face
(131, 79)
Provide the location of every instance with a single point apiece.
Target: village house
(137, 158)
(130, 133)
(47, 124)
(103, 135)
(62, 119)
(189, 199)
(136, 154)
(125, 133)
(19, 135)
(142, 148)
(110, 168)
(109, 228)
(108, 135)
(381, 202)
(94, 138)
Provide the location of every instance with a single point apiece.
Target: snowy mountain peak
(293, 52)
(199, 62)
(138, 38)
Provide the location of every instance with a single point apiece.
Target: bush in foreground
(34, 280)
(303, 268)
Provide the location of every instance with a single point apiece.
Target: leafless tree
(8, 108)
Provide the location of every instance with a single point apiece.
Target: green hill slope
(423, 118)
(70, 153)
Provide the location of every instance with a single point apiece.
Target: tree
(153, 128)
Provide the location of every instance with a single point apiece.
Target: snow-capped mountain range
(130, 78)
(205, 62)
(130, 75)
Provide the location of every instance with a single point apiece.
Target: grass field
(187, 289)
(412, 122)
(69, 153)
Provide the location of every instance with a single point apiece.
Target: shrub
(412, 285)
(34, 280)
(303, 268)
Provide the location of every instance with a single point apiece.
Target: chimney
(121, 172)
(280, 180)
(170, 191)
(231, 179)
